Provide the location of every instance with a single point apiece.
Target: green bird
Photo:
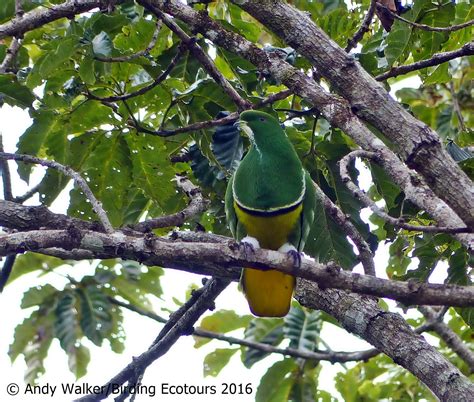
(270, 203)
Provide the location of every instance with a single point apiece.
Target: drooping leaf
(269, 331)
(14, 93)
(302, 327)
(66, 324)
(95, 318)
(276, 383)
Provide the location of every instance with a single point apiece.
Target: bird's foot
(292, 252)
(249, 244)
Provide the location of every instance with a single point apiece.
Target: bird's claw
(296, 256)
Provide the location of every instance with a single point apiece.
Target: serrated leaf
(117, 332)
(276, 384)
(24, 333)
(269, 331)
(303, 327)
(221, 321)
(95, 318)
(215, 361)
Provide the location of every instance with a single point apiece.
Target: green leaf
(95, 318)
(66, 324)
(117, 332)
(221, 321)
(30, 262)
(15, 93)
(276, 384)
(459, 275)
(215, 361)
(269, 331)
(24, 333)
(439, 75)
(78, 360)
(326, 240)
(33, 139)
(303, 327)
(61, 51)
(37, 295)
(227, 144)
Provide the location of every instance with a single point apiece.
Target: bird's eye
(262, 119)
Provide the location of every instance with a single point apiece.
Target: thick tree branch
(41, 16)
(182, 326)
(364, 27)
(66, 170)
(418, 145)
(449, 336)
(437, 58)
(224, 261)
(364, 198)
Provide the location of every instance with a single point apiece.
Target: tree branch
(145, 89)
(360, 195)
(197, 205)
(425, 27)
(437, 58)
(449, 336)
(203, 58)
(365, 26)
(216, 260)
(332, 356)
(66, 170)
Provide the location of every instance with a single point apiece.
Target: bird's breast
(272, 230)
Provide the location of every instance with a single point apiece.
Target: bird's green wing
(300, 233)
(236, 228)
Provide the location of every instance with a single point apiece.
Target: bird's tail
(268, 292)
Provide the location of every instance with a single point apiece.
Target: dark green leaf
(269, 331)
(276, 384)
(215, 361)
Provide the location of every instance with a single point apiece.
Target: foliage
(62, 69)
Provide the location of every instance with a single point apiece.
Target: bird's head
(254, 122)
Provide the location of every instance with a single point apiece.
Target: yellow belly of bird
(268, 292)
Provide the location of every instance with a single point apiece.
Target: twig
(360, 195)
(6, 270)
(120, 59)
(332, 356)
(457, 107)
(30, 193)
(203, 58)
(145, 89)
(437, 58)
(425, 27)
(215, 122)
(225, 262)
(365, 26)
(66, 170)
(449, 336)
(15, 45)
(197, 205)
(6, 177)
(182, 326)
